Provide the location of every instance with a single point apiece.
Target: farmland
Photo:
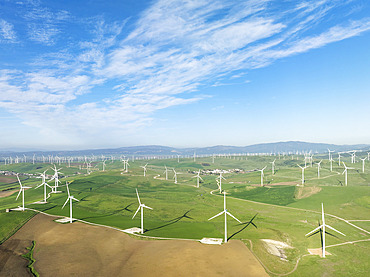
(285, 209)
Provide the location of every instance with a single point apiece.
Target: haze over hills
(277, 147)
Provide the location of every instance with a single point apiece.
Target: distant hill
(277, 147)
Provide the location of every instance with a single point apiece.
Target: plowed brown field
(82, 250)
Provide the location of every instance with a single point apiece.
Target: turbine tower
(323, 227)
(346, 171)
(56, 179)
(166, 172)
(225, 212)
(21, 190)
(175, 176)
(70, 198)
(219, 181)
(273, 166)
(330, 157)
(43, 176)
(141, 206)
(144, 167)
(303, 168)
(262, 174)
(198, 178)
(363, 164)
(318, 169)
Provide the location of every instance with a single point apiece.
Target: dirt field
(82, 250)
(6, 193)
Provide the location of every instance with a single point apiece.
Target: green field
(285, 211)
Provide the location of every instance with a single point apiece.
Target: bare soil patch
(283, 184)
(7, 179)
(6, 193)
(83, 250)
(304, 192)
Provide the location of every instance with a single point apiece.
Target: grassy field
(285, 211)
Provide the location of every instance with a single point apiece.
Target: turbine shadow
(170, 222)
(246, 225)
(113, 213)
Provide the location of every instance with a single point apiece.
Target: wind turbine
(43, 175)
(198, 178)
(363, 164)
(345, 171)
(331, 164)
(219, 181)
(225, 212)
(103, 165)
(330, 153)
(318, 169)
(144, 167)
(56, 179)
(303, 168)
(21, 190)
(322, 227)
(339, 158)
(273, 166)
(262, 174)
(141, 206)
(175, 176)
(166, 172)
(70, 198)
(126, 165)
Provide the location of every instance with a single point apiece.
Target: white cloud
(7, 33)
(174, 49)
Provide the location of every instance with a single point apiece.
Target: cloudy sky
(99, 74)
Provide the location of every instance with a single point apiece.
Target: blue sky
(102, 74)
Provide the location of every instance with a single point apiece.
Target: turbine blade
(147, 207)
(68, 189)
(216, 215)
(334, 229)
(314, 230)
(138, 198)
(233, 217)
(136, 212)
(74, 198)
(19, 193)
(38, 186)
(65, 202)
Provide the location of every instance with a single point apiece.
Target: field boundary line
(348, 242)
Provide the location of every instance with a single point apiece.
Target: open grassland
(285, 211)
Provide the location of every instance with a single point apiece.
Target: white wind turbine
(70, 198)
(363, 164)
(141, 206)
(56, 179)
(21, 190)
(322, 227)
(329, 151)
(175, 175)
(126, 165)
(318, 169)
(331, 164)
(346, 171)
(166, 172)
(225, 212)
(262, 174)
(339, 158)
(219, 181)
(198, 178)
(273, 166)
(103, 165)
(144, 167)
(303, 168)
(43, 176)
